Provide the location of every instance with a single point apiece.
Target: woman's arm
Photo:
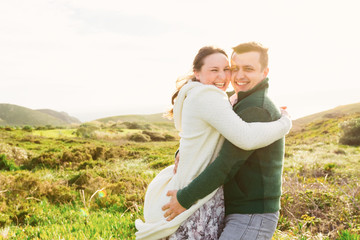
(214, 108)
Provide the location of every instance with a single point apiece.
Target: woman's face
(215, 71)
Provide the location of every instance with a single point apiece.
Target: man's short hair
(251, 47)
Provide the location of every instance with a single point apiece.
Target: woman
(202, 113)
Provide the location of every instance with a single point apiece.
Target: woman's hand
(233, 99)
(284, 112)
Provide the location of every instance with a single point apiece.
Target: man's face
(247, 71)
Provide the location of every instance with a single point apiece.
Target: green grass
(55, 133)
(68, 222)
(40, 193)
(43, 200)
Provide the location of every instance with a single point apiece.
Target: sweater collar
(264, 84)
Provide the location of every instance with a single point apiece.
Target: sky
(94, 59)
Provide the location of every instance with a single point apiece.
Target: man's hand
(176, 162)
(173, 208)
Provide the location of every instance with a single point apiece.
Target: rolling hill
(148, 118)
(14, 115)
(339, 111)
(297, 124)
(60, 115)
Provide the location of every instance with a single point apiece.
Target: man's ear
(266, 72)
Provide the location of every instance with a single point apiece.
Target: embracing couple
(227, 182)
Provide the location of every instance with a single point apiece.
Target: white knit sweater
(202, 114)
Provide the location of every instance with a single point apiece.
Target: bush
(351, 132)
(7, 165)
(90, 164)
(49, 127)
(22, 190)
(86, 131)
(47, 160)
(4, 219)
(169, 137)
(76, 156)
(88, 181)
(19, 155)
(154, 136)
(27, 128)
(139, 137)
(135, 125)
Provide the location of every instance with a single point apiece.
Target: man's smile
(242, 83)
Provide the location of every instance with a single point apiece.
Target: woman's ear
(197, 75)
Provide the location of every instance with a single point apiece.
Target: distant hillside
(337, 112)
(298, 124)
(148, 118)
(60, 115)
(14, 115)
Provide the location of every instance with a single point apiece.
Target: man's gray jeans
(250, 226)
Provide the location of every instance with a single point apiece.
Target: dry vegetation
(47, 181)
(321, 190)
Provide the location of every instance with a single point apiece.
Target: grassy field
(56, 184)
(55, 133)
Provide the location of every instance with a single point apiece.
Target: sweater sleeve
(223, 168)
(214, 108)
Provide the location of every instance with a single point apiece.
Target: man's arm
(225, 166)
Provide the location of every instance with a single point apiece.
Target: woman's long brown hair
(197, 64)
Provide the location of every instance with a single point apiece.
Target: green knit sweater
(251, 179)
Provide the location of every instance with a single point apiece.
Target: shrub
(27, 128)
(47, 159)
(107, 135)
(98, 153)
(115, 153)
(90, 164)
(19, 155)
(89, 181)
(7, 164)
(340, 151)
(135, 125)
(77, 156)
(85, 155)
(4, 219)
(169, 137)
(22, 189)
(351, 132)
(86, 131)
(154, 136)
(49, 127)
(139, 137)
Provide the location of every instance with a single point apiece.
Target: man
(251, 179)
